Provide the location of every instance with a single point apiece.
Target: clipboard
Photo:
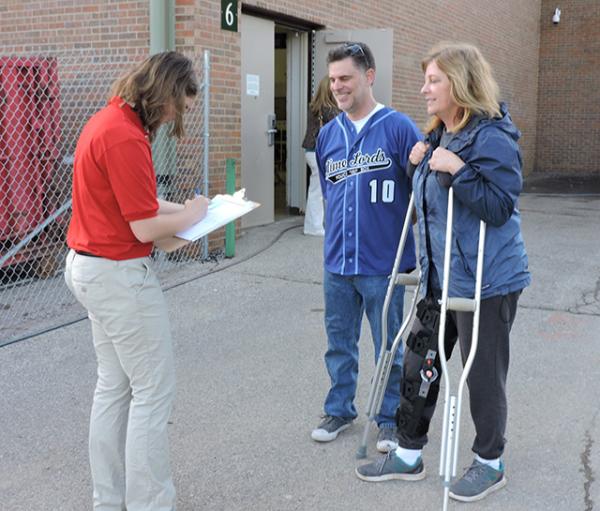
(221, 210)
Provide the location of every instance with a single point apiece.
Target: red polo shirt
(113, 184)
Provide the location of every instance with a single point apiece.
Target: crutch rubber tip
(361, 453)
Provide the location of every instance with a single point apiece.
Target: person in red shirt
(117, 220)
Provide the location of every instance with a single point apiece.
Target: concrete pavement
(249, 343)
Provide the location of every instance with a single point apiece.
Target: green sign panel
(229, 15)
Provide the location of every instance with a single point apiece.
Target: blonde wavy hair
(472, 84)
(323, 97)
(154, 84)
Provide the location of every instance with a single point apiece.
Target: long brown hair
(323, 98)
(472, 84)
(151, 87)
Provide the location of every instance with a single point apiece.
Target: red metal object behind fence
(29, 146)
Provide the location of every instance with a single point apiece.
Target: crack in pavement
(573, 311)
(285, 279)
(586, 469)
(590, 300)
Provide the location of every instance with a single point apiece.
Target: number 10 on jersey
(382, 191)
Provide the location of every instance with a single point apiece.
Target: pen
(197, 194)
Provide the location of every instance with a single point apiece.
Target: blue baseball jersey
(364, 181)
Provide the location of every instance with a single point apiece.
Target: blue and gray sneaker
(478, 482)
(390, 467)
(329, 428)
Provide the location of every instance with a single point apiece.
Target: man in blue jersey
(362, 156)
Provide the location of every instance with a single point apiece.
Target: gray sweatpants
(487, 378)
(128, 443)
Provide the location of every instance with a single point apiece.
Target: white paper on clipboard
(221, 210)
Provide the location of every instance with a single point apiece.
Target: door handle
(271, 130)
(271, 136)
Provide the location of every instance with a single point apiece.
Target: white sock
(495, 463)
(408, 456)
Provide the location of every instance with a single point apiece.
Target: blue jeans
(346, 298)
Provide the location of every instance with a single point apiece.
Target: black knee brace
(421, 388)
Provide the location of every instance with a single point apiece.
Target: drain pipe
(162, 38)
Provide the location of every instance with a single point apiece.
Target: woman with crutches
(471, 146)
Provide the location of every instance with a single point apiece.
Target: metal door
(258, 117)
(297, 106)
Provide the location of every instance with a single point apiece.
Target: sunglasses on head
(356, 50)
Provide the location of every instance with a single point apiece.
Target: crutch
(453, 403)
(386, 356)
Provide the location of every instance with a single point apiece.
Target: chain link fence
(44, 103)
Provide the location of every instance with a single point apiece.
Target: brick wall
(200, 27)
(507, 32)
(569, 89)
(114, 26)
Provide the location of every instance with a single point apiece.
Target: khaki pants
(128, 442)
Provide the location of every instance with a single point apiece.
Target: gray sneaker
(386, 439)
(330, 428)
(478, 482)
(390, 467)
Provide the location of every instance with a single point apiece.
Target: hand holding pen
(198, 206)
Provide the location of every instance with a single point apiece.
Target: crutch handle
(407, 279)
(462, 304)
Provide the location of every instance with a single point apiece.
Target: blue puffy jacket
(487, 187)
